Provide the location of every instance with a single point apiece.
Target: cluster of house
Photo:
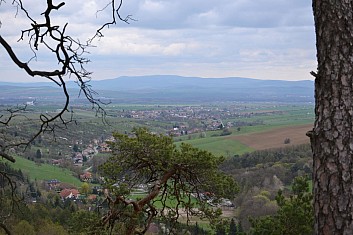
(183, 113)
(209, 116)
(210, 125)
(73, 194)
(78, 158)
(211, 200)
(69, 192)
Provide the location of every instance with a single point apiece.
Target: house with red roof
(69, 193)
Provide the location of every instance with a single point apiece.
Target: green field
(219, 145)
(45, 171)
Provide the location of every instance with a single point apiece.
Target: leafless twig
(70, 55)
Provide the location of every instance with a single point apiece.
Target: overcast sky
(265, 39)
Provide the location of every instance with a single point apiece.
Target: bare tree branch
(71, 60)
(7, 157)
(7, 231)
(69, 53)
(115, 11)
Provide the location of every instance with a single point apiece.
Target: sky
(263, 39)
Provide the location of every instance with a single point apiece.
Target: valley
(263, 143)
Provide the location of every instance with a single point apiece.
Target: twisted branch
(69, 54)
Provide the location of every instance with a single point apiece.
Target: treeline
(289, 154)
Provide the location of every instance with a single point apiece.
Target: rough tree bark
(332, 136)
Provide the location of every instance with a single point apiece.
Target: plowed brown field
(275, 137)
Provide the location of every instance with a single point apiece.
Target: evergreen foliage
(295, 215)
(183, 178)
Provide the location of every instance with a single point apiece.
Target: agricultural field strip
(275, 137)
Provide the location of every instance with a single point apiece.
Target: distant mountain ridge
(177, 89)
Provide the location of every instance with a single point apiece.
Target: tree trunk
(332, 136)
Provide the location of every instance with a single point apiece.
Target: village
(187, 120)
(196, 119)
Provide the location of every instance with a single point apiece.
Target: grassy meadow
(219, 145)
(45, 171)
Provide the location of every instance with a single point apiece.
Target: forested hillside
(262, 174)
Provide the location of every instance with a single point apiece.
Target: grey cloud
(236, 13)
(172, 14)
(193, 37)
(265, 13)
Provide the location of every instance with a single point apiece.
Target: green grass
(45, 171)
(219, 145)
